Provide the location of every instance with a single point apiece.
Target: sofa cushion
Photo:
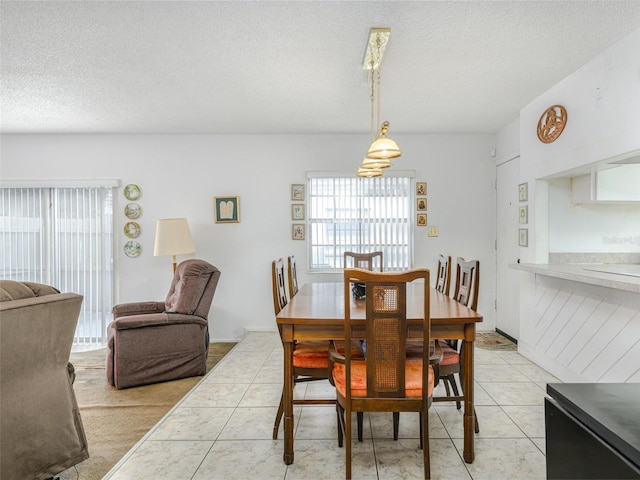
(13, 290)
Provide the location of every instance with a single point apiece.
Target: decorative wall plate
(132, 249)
(132, 192)
(132, 210)
(552, 123)
(132, 229)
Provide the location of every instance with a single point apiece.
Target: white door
(507, 250)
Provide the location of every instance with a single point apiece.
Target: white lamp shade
(173, 237)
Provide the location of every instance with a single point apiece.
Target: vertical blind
(362, 215)
(62, 237)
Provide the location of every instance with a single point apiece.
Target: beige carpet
(114, 420)
(494, 341)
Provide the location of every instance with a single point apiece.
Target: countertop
(617, 276)
(611, 410)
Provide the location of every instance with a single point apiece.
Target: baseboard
(257, 329)
(507, 336)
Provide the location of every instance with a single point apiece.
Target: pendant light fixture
(382, 148)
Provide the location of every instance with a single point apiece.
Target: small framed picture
(297, 231)
(523, 214)
(422, 220)
(422, 204)
(297, 192)
(297, 211)
(523, 237)
(523, 192)
(421, 188)
(227, 209)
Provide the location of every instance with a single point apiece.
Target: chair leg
(396, 423)
(446, 382)
(454, 386)
(475, 416)
(424, 444)
(276, 424)
(340, 417)
(347, 435)
(360, 417)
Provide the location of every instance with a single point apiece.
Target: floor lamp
(173, 237)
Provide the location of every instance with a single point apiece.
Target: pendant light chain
(379, 61)
(373, 96)
(382, 148)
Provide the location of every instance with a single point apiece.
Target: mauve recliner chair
(151, 342)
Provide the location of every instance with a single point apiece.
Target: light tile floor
(222, 428)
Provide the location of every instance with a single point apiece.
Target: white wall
(180, 174)
(602, 100)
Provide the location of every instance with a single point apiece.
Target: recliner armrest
(156, 319)
(137, 308)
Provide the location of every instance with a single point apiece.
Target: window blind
(62, 237)
(348, 213)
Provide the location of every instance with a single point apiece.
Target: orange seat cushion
(450, 356)
(315, 353)
(413, 378)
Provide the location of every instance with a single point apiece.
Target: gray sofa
(41, 432)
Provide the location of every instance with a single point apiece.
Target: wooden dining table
(316, 312)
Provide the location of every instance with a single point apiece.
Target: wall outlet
(432, 231)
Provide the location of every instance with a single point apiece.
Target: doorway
(507, 249)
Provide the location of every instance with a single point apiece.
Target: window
(62, 237)
(347, 213)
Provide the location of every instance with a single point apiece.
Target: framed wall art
(421, 188)
(422, 204)
(297, 231)
(523, 192)
(227, 209)
(422, 220)
(297, 211)
(523, 214)
(523, 237)
(297, 192)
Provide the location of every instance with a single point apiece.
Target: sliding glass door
(62, 237)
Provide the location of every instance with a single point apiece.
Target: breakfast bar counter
(581, 322)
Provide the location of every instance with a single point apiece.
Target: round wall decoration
(132, 249)
(552, 123)
(132, 192)
(132, 229)
(132, 210)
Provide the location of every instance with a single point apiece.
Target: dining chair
(310, 358)
(465, 292)
(385, 380)
(368, 261)
(293, 276)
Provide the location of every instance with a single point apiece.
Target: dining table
(316, 312)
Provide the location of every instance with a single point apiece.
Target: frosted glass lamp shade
(368, 172)
(375, 163)
(383, 148)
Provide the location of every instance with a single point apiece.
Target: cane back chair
(385, 381)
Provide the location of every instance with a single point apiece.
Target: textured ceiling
(289, 67)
